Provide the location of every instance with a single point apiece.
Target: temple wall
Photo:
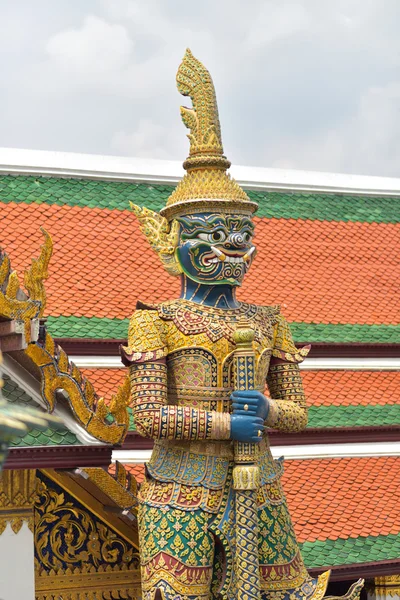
(17, 576)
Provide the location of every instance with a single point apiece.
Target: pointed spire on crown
(206, 187)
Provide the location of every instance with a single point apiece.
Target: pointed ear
(162, 236)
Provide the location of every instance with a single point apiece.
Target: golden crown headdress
(206, 186)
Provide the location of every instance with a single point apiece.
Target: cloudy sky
(307, 84)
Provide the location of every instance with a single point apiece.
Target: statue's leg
(177, 553)
(282, 568)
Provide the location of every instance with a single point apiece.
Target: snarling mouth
(229, 256)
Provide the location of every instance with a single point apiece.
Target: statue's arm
(154, 417)
(287, 406)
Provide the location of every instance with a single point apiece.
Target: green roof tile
(106, 328)
(117, 195)
(330, 553)
(354, 416)
(88, 327)
(49, 437)
(343, 333)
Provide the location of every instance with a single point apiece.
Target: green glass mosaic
(35, 437)
(353, 416)
(350, 550)
(116, 195)
(106, 328)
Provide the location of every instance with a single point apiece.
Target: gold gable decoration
(206, 187)
(14, 302)
(25, 309)
(84, 546)
(17, 497)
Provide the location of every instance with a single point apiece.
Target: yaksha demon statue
(213, 520)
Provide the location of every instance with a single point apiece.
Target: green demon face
(215, 248)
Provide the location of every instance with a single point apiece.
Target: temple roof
(326, 252)
(62, 436)
(327, 258)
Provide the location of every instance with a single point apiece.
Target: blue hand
(246, 428)
(257, 404)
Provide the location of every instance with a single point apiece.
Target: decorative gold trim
(387, 585)
(106, 423)
(78, 554)
(352, 594)
(17, 496)
(114, 488)
(91, 411)
(321, 586)
(112, 584)
(15, 304)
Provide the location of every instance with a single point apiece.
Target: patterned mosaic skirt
(187, 542)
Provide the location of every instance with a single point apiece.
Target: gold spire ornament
(206, 187)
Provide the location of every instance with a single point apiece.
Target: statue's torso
(200, 347)
(200, 351)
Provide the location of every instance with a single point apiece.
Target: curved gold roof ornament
(206, 187)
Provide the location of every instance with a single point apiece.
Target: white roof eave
(144, 170)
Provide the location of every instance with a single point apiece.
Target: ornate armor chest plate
(200, 350)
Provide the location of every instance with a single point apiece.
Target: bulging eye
(247, 237)
(214, 237)
(218, 236)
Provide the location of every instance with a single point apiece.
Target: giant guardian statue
(213, 520)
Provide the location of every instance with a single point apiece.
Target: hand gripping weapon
(246, 478)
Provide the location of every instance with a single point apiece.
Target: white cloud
(311, 84)
(276, 21)
(149, 140)
(96, 49)
(369, 138)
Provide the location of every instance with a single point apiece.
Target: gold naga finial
(14, 302)
(195, 81)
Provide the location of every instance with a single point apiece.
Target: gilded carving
(17, 496)
(58, 373)
(108, 423)
(15, 304)
(76, 554)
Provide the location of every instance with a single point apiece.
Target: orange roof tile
(137, 470)
(323, 272)
(351, 388)
(343, 497)
(105, 381)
